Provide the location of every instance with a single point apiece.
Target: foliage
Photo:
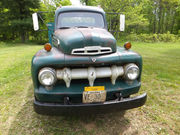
(135, 20)
(52, 5)
(166, 37)
(162, 15)
(17, 18)
(142, 17)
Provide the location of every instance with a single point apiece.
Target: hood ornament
(93, 59)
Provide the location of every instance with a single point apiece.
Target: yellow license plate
(94, 88)
(94, 94)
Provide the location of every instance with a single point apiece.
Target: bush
(166, 37)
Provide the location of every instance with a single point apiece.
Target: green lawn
(160, 79)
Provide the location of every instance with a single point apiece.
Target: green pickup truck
(82, 69)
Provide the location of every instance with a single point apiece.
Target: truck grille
(91, 50)
(90, 73)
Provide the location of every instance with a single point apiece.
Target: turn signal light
(127, 45)
(47, 47)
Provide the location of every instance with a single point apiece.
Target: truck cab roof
(79, 8)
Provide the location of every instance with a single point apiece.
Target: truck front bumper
(108, 106)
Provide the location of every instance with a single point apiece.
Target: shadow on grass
(28, 122)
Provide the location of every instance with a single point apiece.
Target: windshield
(80, 19)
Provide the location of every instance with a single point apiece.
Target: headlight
(47, 76)
(131, 71)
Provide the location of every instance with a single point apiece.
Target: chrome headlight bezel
(45, 71)
(128, 68)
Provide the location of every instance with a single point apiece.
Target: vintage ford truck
(82, 69)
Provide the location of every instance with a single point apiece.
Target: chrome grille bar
(91, 50)
(90, 73)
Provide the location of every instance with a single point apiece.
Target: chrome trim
(47, 69)
(129, 66)
(90, 73)
(91, 50)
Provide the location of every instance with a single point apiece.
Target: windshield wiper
(64, 27)
(82, 26)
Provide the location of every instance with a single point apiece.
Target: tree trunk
(23, 37)
(150, 22)
(12, 36)
(27, 36)
(154, 24)
(173, 21)
(159, 16)
(4, 37)
(167, 20)
(162, 23)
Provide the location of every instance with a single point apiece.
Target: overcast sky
(76, 2)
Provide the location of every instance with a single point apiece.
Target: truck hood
(75, 38)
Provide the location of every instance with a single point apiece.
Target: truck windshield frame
(82, 19)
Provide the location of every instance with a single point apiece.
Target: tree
(90, 2)
(162, 15)
(131, 8)
(144, 16)
(19, 16)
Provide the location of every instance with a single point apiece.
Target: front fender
(42, 58)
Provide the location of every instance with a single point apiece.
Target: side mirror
(122, 22)
(35, 21)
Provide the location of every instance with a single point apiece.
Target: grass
(160, 79)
